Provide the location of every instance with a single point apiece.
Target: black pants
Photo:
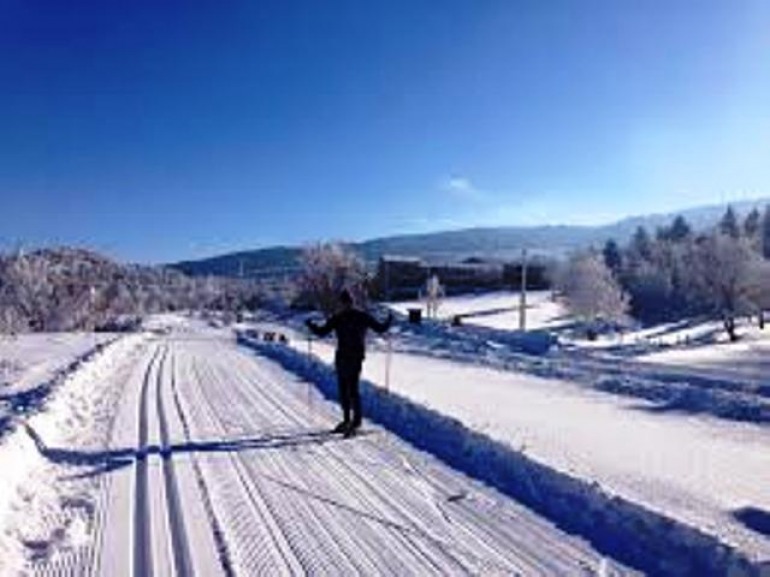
(348, 375)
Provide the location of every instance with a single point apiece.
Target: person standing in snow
(350, 325)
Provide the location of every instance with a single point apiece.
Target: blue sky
(158, 131)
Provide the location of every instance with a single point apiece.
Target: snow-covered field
(749, 357)
(179, 453)
(498, 310)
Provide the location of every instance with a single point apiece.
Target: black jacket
(350, 326)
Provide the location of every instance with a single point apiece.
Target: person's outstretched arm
(320, 330)
(377, 326)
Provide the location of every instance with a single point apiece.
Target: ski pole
(388, 359)
(309, 359)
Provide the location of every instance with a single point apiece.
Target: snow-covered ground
(176, 451)
(179, 453)
(42, 509)
(31, 365)
(498, 310)
(29, 359)
(750, 356)
(696, 469)
(652, 443)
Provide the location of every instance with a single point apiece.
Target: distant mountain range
(496, 244)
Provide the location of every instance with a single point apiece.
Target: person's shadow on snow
(105, 461)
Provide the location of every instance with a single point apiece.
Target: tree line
(73, 289)
(676, 273)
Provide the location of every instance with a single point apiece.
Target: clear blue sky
(164, 130)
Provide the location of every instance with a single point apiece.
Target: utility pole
(523, 292)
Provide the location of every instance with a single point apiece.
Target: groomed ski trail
(220, 463)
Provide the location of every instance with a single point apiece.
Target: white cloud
(463, 188)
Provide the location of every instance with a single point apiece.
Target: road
(220, 463)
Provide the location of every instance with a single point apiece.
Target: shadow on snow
(104, 461)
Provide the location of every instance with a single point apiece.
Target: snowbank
(31, 363)
(43, 513)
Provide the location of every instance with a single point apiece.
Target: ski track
(221, 464)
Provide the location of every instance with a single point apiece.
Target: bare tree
(327, 269)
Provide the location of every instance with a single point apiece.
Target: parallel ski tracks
(461, 544)
(142, 550)
(144, 565)
(231, 459)
(269, 544)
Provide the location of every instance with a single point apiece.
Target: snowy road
(220, 464)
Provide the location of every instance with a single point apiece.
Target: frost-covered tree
(592, 292)
(727, 277)
(760, 289)
(28, 288)
(70, 289)
(327, 269)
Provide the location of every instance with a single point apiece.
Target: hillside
(456, 245)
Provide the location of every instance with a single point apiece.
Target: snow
(694, 469)
(29, 359)
(749, 357)
(178, 452)
(217, 458)
(651, 541)
(497, 310)
(41, 519)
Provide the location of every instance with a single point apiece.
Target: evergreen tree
(641, 244)
(751, 224)
(729, 224)
(676, 232)
(680, 229)
(765, 233)
(612, 256)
